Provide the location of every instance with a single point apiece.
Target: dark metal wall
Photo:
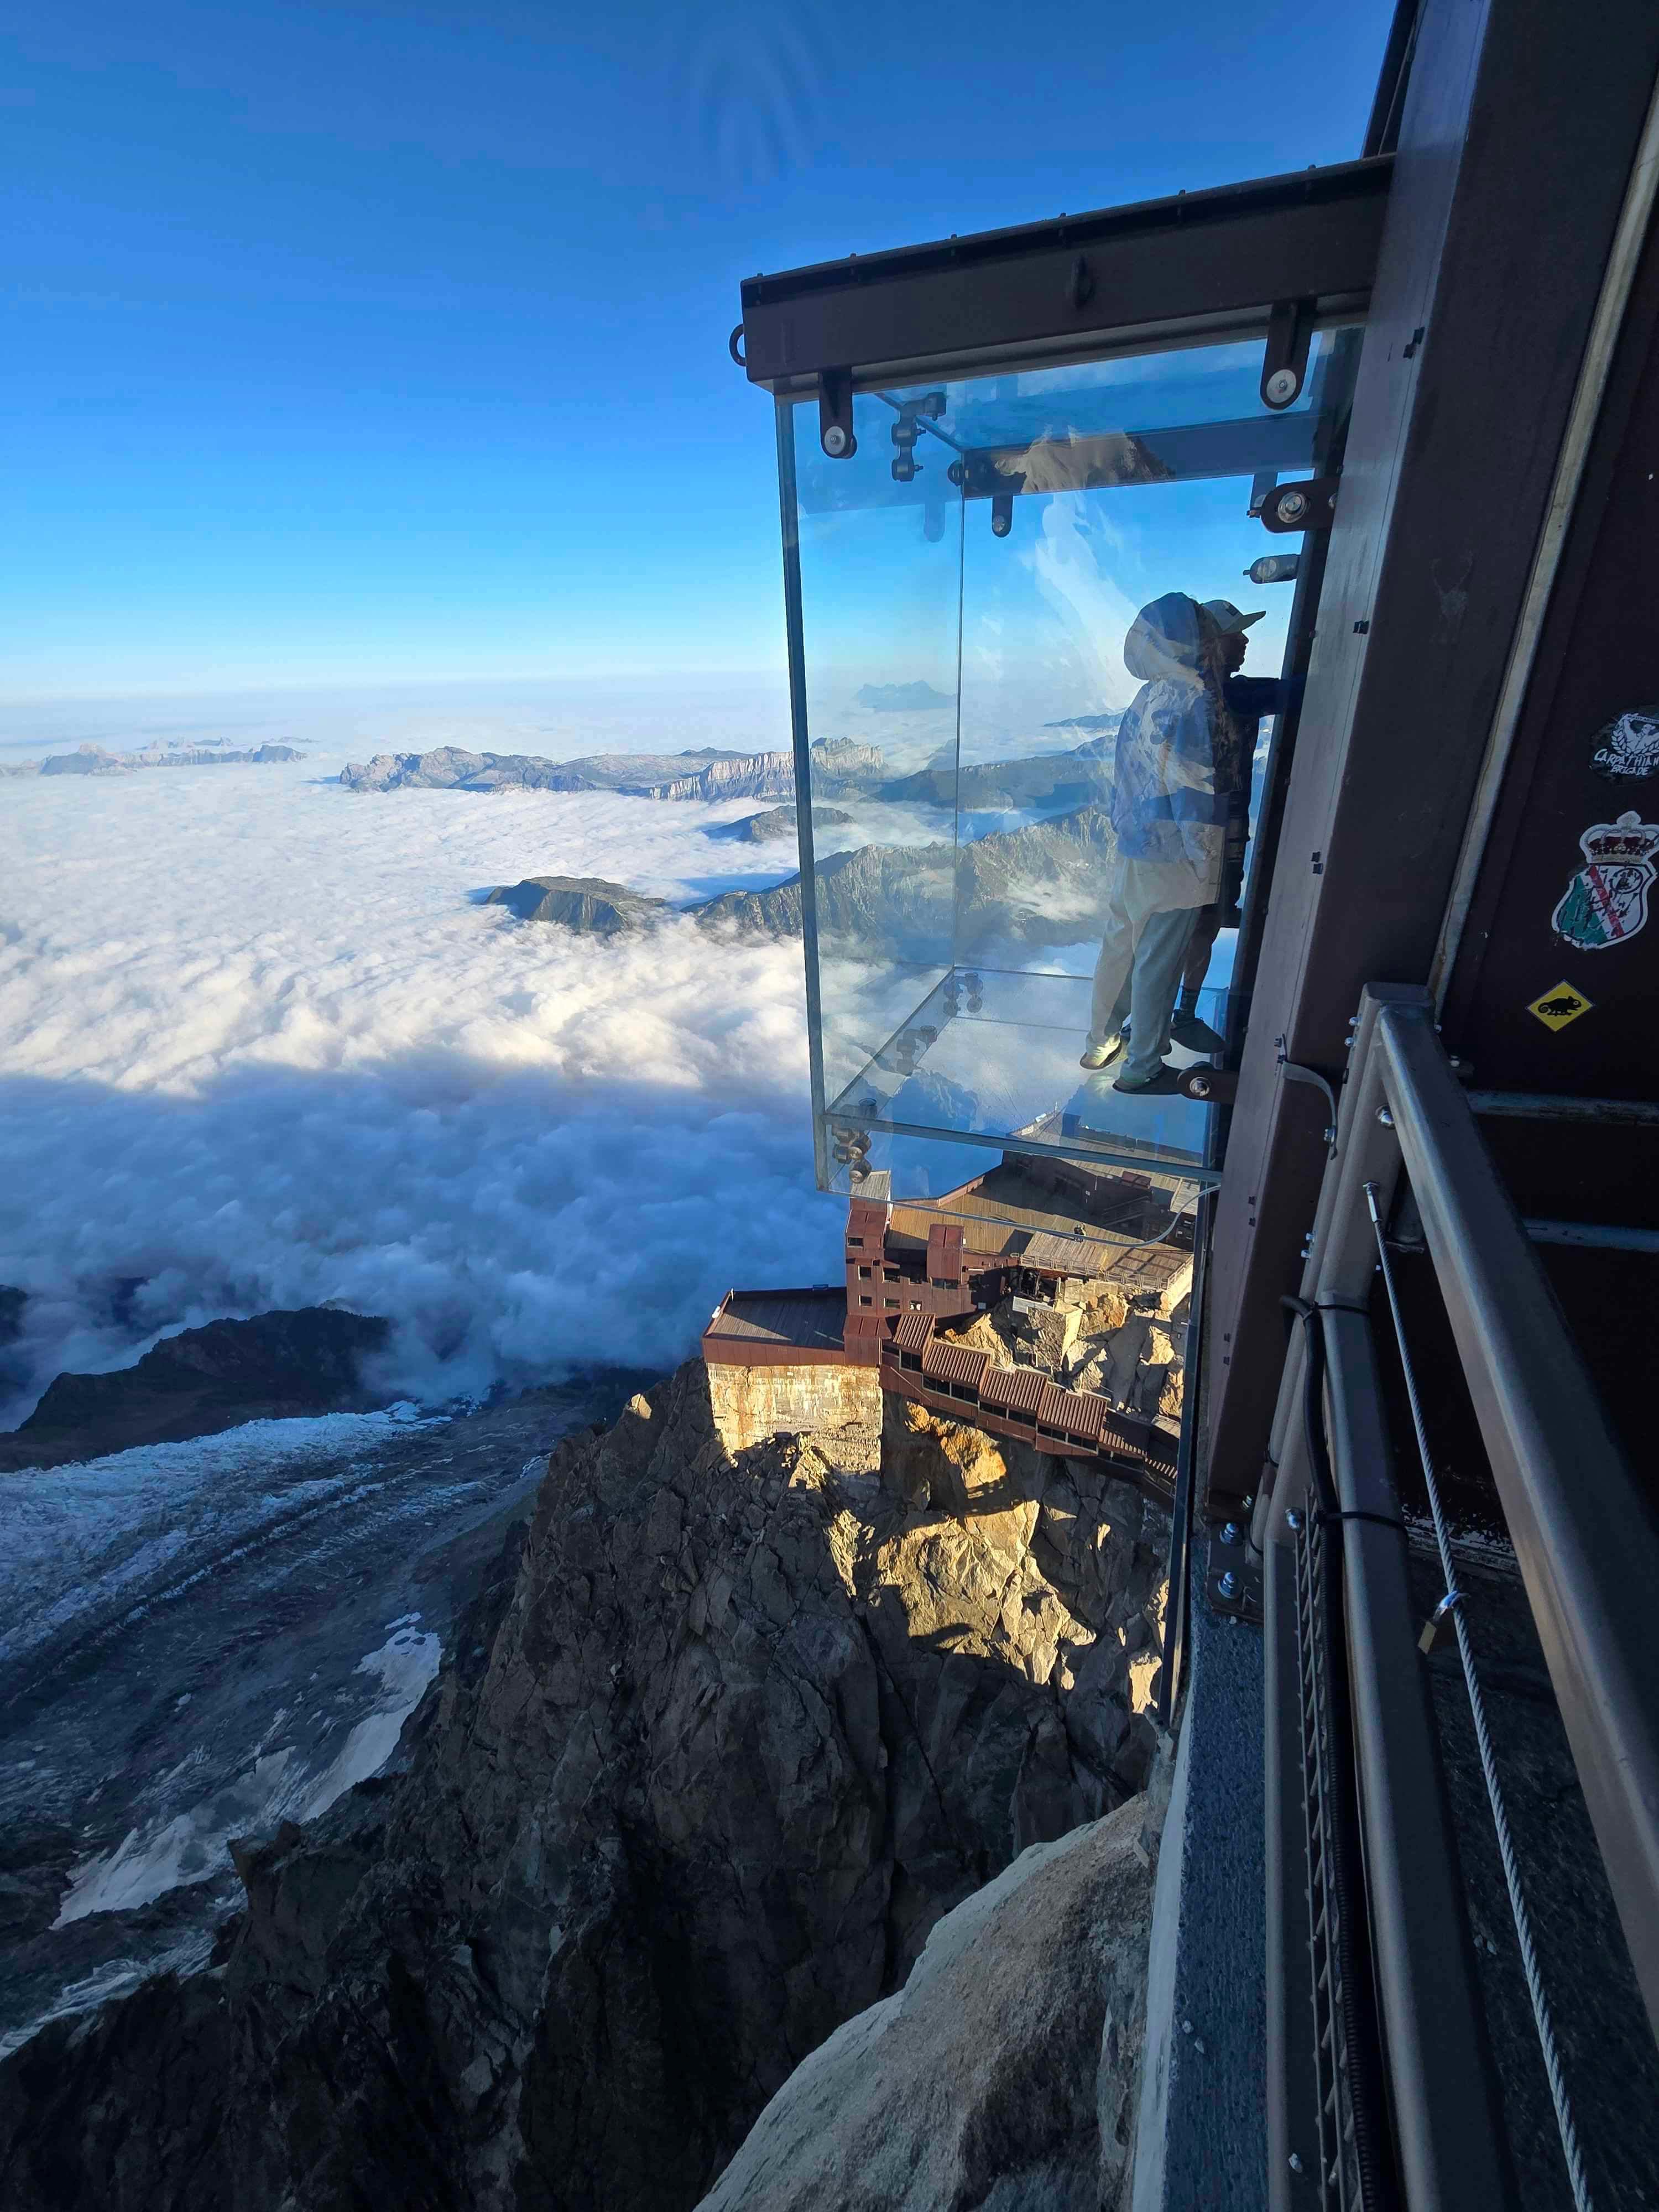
(1516, 145)
(1598, 660)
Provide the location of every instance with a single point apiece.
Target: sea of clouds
(260, 1046)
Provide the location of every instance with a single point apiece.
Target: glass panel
(1033, 763)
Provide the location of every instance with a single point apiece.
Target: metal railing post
(1447, 2119)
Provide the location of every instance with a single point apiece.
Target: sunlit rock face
(728, 1734)
(1005, 2072)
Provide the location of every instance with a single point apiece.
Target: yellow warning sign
(1559, 1006)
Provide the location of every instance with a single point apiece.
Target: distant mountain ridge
(902, 698)
(98, 760)
(840, 763)
(278, 1366)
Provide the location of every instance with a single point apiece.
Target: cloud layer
(262, 1048)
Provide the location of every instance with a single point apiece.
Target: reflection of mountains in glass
(1041, 885)
(901, 698)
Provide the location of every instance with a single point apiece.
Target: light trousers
(1137, 975)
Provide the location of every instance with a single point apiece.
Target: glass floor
(996, 1055)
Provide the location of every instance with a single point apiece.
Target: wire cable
(1451, 1603)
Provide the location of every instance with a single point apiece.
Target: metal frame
(1180, 1601)
(1054, 289)
(1583, 1532)
(1589, 1556)
(1501, 215)
(800, 735)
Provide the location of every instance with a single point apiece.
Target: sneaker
(1158, 1086)
(1101, 1055)
(1195, 1036)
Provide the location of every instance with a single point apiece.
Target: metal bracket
(836, 414)
(1310, 504)
(1285, 362)
(1232, 1577)
(908, 429)
(1311, 1076)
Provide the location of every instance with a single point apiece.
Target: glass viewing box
(964, 567)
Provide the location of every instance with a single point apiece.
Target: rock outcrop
(1005, 2072)
(274, 1367)
(587, 904)
(729, 1735)
(1050, 780)
(777, 822)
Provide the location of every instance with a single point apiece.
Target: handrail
(1583, 1534)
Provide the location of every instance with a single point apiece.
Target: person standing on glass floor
(1170, 823)
(1244, 700)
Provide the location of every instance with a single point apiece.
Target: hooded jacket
(1165, 807)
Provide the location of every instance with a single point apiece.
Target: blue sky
(388, 343)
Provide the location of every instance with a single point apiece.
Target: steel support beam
(1222, 256)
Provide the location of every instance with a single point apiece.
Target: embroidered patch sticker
(1606, 901)
(1559, 1006)
(1629, 747)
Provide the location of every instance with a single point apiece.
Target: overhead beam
(1061, 288)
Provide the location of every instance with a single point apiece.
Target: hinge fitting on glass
(1307, 504)
(1284, 363)
(836, 414)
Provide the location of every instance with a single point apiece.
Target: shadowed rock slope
(727, 1737)
(274, 1367)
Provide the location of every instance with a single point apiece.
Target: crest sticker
(1559, 1006)
(1605, 903)
(1629, 747)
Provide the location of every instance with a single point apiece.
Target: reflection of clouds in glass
(1068, 562)
(1197, 362)
(753, 96)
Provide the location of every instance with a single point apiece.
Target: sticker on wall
(1629, 747)
(1606, 903)
(1559, 1006)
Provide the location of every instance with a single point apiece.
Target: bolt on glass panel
(1036, 693)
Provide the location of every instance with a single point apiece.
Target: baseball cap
(1226, 616)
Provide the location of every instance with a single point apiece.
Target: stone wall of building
(753, 1403)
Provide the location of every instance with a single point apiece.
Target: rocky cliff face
(731, 1731)
(839, 764)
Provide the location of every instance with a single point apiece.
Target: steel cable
(1451, 1603)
